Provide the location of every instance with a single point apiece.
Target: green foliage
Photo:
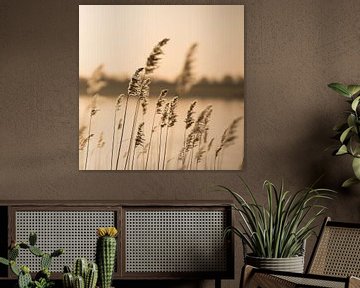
(42, 278)
(280, 229)
(348, 132)
(42, 283)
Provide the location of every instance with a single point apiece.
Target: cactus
(91, 276)
(45, 261)
(32, 239)
(79, 282)
(36, 251)
(88, 273)
(80, 268)
(106, 254)
(42, 278)
(24, 277)
(13, 253)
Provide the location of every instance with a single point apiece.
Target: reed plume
(159, 104)
(195, 137)
(139, 141)
(118, 103)
(164, 116)
(154, 57)
(133, 90)
(83, 141)
(228, 138)
(199, 155)
(101, 141)
(93, 111)
(170, 122)
(209, 146)
(96, 81)
(186, 78)
(142, 94)
(82, 137)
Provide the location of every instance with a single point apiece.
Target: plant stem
(122, 131)
(159, 155)
(113, 141)
(132, 133)
(132, 160)
(151, 135)
(165, 149)
(88, 143)
(191, 158)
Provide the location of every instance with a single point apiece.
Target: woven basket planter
(291, 264)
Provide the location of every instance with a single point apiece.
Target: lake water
(99, 157)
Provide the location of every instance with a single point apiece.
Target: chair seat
(263, 278)
(315, 282)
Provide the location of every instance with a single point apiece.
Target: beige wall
(293, 49)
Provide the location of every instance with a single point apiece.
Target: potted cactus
(42, 278)
(84, 275)
(106, 254)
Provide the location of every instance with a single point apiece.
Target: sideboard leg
(217, 283)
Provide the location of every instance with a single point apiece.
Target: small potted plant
(276, 233)
(348, 133)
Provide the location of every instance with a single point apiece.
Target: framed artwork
(161, 87)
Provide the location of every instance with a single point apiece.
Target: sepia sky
(122, 36)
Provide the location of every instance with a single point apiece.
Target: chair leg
(217, 283)
(246, 273)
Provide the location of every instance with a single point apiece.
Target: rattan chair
(335, 262)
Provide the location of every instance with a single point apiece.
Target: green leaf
(4, 261)
(356, 167)
(349, 182)
(345, 134)
(355, 103)
(353, 89)
(354, 145)
(342, 150)
(351, 120)
(14, 268)
(340, 88)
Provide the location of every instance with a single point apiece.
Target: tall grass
(151, 151)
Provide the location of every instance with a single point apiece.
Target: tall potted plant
(275, 233)
(348, 133)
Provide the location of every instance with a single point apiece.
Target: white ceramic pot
(291, 264)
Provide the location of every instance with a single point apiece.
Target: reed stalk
(117, 108)
(170, 122)
(143, 94)
(159, 104)
(133, 90)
